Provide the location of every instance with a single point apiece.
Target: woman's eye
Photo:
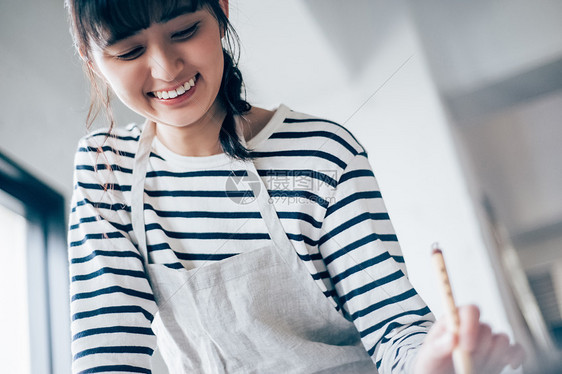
(183, 34)
(131, 55)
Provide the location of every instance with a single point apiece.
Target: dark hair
(99, 21)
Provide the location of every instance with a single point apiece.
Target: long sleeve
(112, 304)
(366, 267)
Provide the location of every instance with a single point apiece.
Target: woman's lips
(179, 91)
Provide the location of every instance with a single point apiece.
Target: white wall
(482, 41)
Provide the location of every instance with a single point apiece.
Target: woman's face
(151, 71)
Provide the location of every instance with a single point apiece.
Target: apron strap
(268, 213)
(137, 187)
(264, 202)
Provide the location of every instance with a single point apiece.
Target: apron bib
(257, 312)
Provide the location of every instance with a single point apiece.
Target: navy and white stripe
(327, 199)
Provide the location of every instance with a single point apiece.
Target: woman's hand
(489, 352)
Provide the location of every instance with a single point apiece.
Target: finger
(516, 356)
(483, 344)
(497, 358)
(443, 346)
(441, 340)
(469, 327)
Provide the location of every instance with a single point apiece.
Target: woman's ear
(91, 66)
(94, 69)
(224, 6)
(87, 61)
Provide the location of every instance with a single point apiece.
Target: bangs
(108, 21)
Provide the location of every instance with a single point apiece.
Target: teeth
(177, 92)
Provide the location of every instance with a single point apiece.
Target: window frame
(47, 264)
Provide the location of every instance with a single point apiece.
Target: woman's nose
(165, 63)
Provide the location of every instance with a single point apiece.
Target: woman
(246, 240)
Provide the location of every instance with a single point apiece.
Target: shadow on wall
(554, 367)
(356, 32)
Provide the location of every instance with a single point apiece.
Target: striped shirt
(325, 195)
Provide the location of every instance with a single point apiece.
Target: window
(14, 352)
(33, 275)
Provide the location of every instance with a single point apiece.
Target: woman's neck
(201, 138)
(197, 139)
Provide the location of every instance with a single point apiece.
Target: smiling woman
(162, 46)
(234, 238)
(162, 58)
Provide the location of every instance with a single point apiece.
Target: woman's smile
(174, 92)
(176, 95)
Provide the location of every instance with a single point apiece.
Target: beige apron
(256, 312)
